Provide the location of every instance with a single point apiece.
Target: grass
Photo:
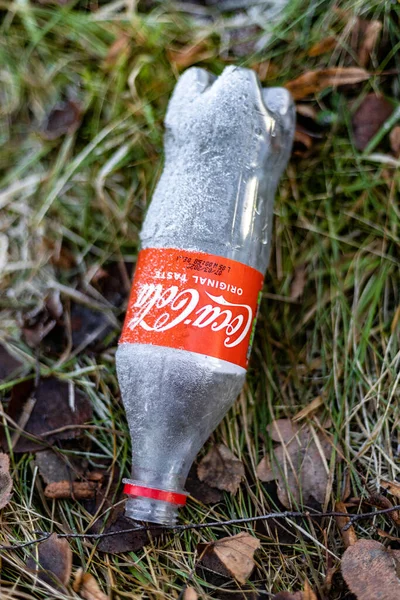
(84, 195)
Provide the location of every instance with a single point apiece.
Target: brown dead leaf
(190, 594)
(382, 502)
(6, 484)
(349, 536)
(64, 118)
(371, 571)
(118, 50)
(299, 278)
(53, 561)
(308, 593)
(38, 322)
(323, 46)
(299, 465)
(394, 138)
(221, 469)
(282, 430)
(312, 82)
(56, 408)
(201, 491)
(369, 118)
(52, 467)
(371, 32)
(189, 55)
(288, 596)
(231, 556)
(78, 490)
(87, 587)
(126, 541)
(393, 487)
(8, 364)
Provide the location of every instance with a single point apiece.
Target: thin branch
(178, 528)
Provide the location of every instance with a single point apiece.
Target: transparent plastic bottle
(206, 242)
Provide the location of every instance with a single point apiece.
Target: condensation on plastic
(227, 143)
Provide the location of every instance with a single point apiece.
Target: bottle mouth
(152, 504)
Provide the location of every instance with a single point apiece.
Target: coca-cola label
(193, 301)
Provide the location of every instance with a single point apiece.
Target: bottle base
(153, 511)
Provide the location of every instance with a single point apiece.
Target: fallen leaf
(129, 541)
(299, 463)
(323, 46)
(288, 596)
(53, 562)
(309, 410)
(282, 430)
(221, 469)
(118, 50)
(189, 55)
(372, 571)
(52, 467)
(201, 491)
(299, 281)
(312, 82)
(64, 118)
(370, 36)
(87, 326)
(232, 556)
(369, 118)
(38, 322)
(308, 593)
(394, 138)
(57, 407)
(6, 484)
(190, 594)
(393, 487)
(8, 364)
(380, 501)
(78, 490)
(349, 535)
(87, 587)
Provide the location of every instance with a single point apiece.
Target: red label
(193, 301)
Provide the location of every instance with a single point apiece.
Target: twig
(278, 515)
(44, 537)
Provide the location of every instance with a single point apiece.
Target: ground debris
(38, 323)
(77, 490)
(87, 587)
(56, 410)
(369, 118)
(64, 118)
(231, 556)
(299, 464)
(53, 561)
(371, 570)
(8, 364)
(349, 535)
(130, 541)
(221, 469)
(6, 483)
(313, 82)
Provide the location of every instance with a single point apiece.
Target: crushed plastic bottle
(205, 246)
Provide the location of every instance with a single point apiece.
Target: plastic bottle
(205, 246)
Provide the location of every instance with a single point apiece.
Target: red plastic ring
(132, 489)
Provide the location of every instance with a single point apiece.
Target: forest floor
(84, 89)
